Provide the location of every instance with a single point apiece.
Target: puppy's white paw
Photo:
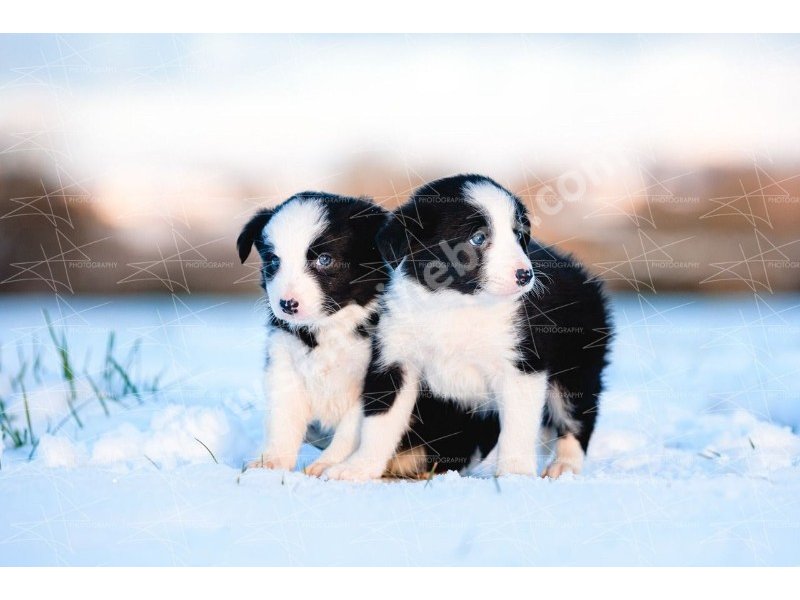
(569, 458)
(270, 461)
(557, 468)
(317, 468)
(353, 471)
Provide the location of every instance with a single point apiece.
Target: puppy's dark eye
(271, 263)
(324, 260)
(478, 239)
(521, 235)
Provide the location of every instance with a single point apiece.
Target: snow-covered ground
(696, 458)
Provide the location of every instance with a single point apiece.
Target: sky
(130, 113)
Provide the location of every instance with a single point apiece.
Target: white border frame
(418, 16)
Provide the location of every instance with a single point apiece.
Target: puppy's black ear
(392, 240)
(251, 231)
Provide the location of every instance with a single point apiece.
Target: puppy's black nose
(524, 277)
(289, 306)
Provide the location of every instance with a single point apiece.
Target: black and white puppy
(486, 318)
(321, 272)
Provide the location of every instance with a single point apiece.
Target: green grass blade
(27, 413)
(98, 393)
(129, 385)
(209, 450)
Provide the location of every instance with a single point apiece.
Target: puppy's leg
(520, 400)
(288, 415)
(343, 444)
(573, 404)
(388, 398)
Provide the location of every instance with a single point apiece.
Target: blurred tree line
(710, 230)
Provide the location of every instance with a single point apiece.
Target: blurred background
(129, 163)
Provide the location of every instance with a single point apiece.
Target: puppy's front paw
(569, 458)
(557, 468)
(353, 471)
(270, 461)
(317, 468)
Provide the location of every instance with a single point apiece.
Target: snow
(695, 461)
(59, 452)
(176, 435)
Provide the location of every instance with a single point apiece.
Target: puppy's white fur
(322, 387)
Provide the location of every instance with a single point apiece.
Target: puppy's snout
(524, 277)
(289, 306)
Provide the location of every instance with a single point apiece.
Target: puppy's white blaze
(291, 232)
(504, 255)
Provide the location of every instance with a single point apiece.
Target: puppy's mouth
(296, 320)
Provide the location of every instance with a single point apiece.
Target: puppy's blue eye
(272, 261)
(324, 260)
(478, 239)
(271, 265)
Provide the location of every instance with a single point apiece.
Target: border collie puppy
(487, 319)
(322, 272)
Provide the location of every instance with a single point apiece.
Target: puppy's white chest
(458, 351)
(317, 369)
(330, 374)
